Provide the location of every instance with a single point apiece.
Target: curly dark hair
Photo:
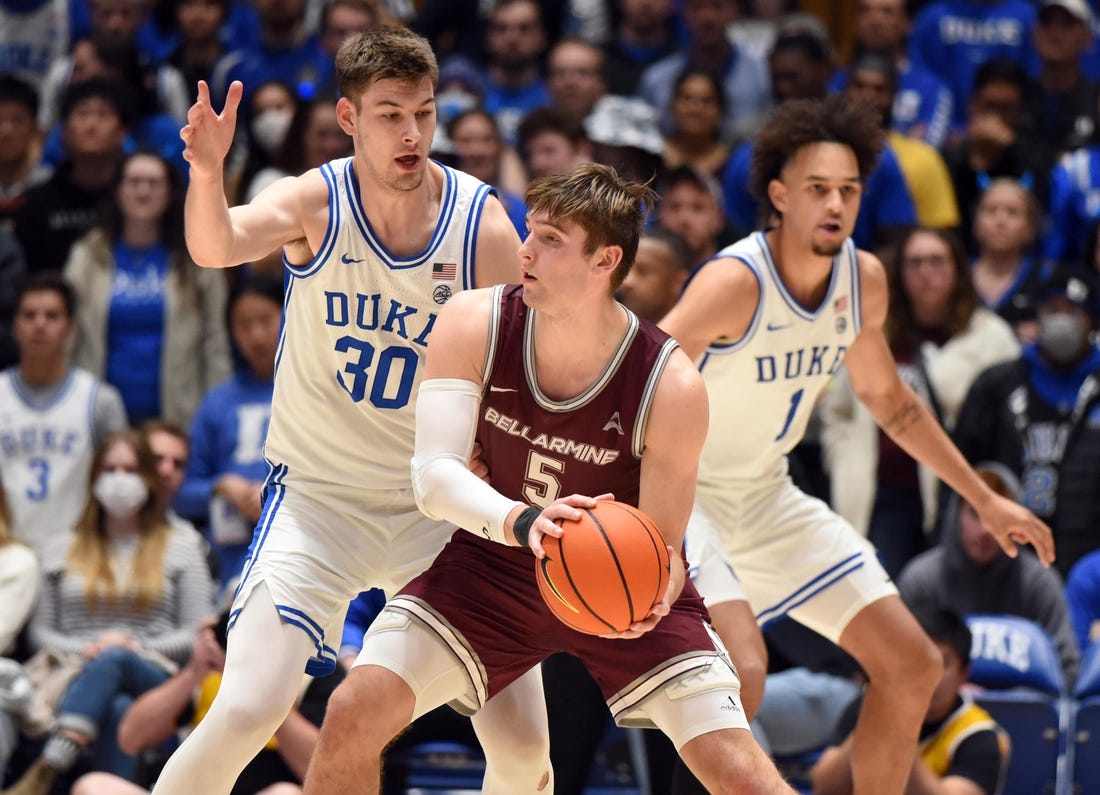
(801, 122)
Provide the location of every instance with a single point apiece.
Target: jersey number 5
(540, 484)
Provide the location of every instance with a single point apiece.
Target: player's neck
(44, 372)
(573, 349)
(805, 274)
(403, 219)
(1002, 264)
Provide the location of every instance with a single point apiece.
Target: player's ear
(346, 115)
(609, 257)
(777, 192)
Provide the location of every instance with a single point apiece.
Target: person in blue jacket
(952, 38)
(226, 471)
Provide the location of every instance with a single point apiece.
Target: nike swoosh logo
(774, 327)
(501, 389)
(349, 260)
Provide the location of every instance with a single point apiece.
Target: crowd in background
(118, 547)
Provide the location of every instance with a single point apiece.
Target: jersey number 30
(395, 364)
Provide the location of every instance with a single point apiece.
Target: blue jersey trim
(62, 391)
(323, 662)
(811, 589)
(857, 290)
(318, 630)
(263, 527)
(788, 299)
(355, 200)
(329, 241)
(473, 223)
(282, 326)
(91, 411)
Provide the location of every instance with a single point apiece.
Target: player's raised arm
(899, 412)
(705, 312)
(218, 237)
(495, 257)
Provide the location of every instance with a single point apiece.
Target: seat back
(1010, 651)
(438, 767)
(1085, 751)
(1014, 662)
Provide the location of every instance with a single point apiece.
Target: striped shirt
(65, 622)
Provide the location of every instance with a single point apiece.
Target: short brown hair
(159, 425)
(384, 53)
(610, 209)
(801, 122)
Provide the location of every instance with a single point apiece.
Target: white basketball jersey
(45, 455)
(357, 324)
(763, 387)
(34, 38)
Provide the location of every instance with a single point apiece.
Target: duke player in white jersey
(374, 245)
(768, 320)
(52, 419)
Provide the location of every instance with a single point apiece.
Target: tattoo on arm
(904, 418)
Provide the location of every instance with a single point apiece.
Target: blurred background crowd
(136, 393)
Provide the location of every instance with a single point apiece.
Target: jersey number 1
(796, 398)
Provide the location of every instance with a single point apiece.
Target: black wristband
(521, 528)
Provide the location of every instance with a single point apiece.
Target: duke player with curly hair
(768, 320)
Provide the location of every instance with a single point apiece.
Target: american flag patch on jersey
(447, 271)
(840, 304)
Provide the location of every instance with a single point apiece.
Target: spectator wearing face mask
(126, 605)
(267, 119)
(1039, 415)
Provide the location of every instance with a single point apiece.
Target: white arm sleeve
(444, 486)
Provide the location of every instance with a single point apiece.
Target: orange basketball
(606, 571)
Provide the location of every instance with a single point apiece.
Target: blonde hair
(90, 555)
(610, 209)
(383, 53)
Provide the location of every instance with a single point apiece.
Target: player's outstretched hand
(207, 135)
(656, 613)
(561, 509)
(1011, 524)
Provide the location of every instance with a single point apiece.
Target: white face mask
(451, 102)
(120, 493)
(269, 129)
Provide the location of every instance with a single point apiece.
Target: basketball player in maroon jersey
(568, 394)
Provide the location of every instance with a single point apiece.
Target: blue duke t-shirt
(135, 327)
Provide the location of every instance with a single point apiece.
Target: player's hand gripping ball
(606, 571)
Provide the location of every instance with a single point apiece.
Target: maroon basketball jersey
(482, 596)
(538, 449)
